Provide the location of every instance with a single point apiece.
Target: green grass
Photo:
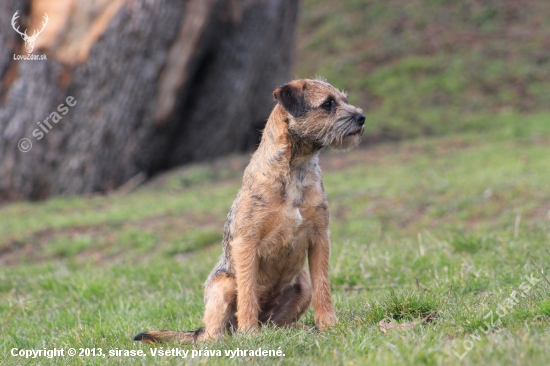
(444, 226)
(429, 67)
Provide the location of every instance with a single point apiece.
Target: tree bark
(156, 84)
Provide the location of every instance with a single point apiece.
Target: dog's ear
(291, 97)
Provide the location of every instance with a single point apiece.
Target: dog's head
(319, 113)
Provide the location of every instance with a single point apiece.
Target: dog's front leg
(246, 274)
(318, 257)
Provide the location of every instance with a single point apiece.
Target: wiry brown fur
(279, 217)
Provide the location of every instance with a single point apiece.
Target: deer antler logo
(29, 41)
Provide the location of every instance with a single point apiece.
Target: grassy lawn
(430, 238)
(429, 67)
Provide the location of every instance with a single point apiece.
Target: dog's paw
(326, 321)
(248, 330)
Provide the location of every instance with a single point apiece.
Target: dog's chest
(299, 197)
(292, 221)
(284, 249)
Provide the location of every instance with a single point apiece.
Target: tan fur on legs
(246, 273)
(319, 254)
(220, 296)
(279, 219)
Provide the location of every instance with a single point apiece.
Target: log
(156, 84)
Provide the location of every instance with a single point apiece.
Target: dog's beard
(344, 135)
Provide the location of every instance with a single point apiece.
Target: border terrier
(279, 217)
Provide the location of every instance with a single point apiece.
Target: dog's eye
(328, 105)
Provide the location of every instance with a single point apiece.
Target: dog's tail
(169, 336)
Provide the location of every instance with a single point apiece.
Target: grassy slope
(439, 225)
(430, 66)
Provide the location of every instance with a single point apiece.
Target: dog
(279, 217)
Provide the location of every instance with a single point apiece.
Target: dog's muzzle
(359, 120)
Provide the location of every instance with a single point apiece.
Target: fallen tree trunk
(155, 84)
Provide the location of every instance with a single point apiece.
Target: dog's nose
(360, 119)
